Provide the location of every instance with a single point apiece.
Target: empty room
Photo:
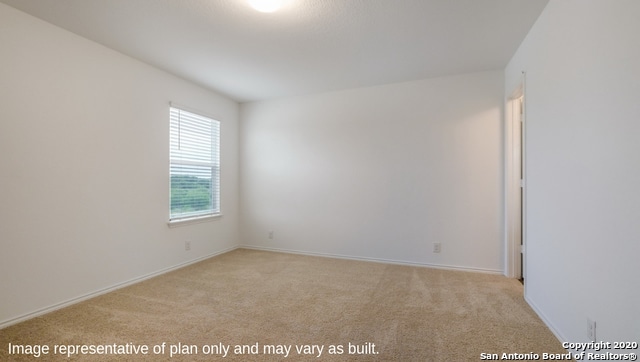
(369, 180)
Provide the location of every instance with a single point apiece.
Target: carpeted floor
(272, 303)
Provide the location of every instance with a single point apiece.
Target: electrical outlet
(437, 247)
(271, 235)
(591, 330)
(187, 245)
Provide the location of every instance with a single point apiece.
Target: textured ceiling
(308, 46)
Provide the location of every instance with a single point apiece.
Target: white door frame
(515, 181)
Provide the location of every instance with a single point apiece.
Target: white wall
(380, 172)
(583, 166)
(84, 168)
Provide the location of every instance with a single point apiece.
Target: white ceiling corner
(308, 46)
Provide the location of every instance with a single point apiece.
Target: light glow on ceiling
(266, 6)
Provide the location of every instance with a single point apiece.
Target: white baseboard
(111, 288)
(546, 321)
(376, 260)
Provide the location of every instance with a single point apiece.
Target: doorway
(515, 259)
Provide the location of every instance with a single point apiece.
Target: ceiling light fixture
(266, 6)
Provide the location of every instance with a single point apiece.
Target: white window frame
(194, 152)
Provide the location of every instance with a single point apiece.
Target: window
(194, 165)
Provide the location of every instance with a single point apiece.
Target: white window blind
(194, 165)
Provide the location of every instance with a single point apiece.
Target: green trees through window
(190, 194)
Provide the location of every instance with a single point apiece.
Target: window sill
(193, 220)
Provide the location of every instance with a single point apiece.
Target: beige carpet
(257, 299)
